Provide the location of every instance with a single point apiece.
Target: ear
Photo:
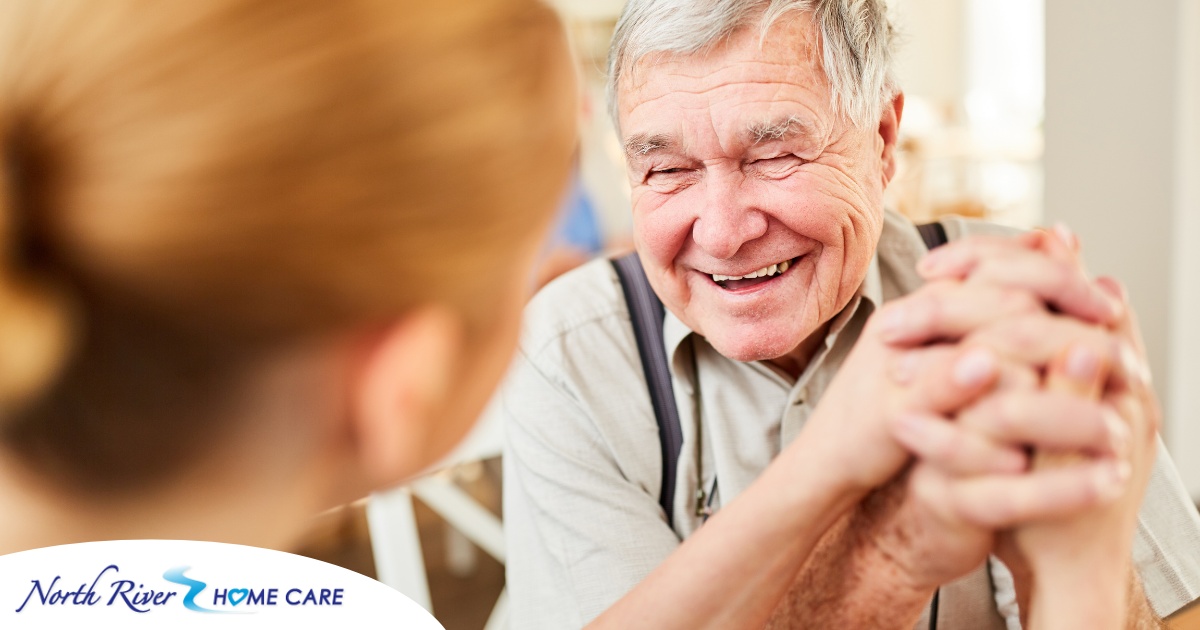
(403, 385)
(889, 132)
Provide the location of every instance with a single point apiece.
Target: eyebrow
(641, 145)
(784, 128)
(780, 129)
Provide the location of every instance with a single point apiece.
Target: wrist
(881, 545)
(849, 583)
(827, 481)
(1079, 606)
(1090, 593)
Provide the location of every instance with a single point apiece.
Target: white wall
(1116, 172)
(1184, 404)
(931, 61)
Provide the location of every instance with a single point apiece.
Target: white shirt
(583, 466)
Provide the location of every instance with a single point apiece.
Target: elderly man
(760, 137)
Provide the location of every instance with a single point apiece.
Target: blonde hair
(189, 186)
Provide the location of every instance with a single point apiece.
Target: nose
(726, 221)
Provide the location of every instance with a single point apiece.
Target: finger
(1008, 262)
(947, 311)
(1014, 376)
(1002, 501)
(943, 378)
(1048, 421)
(1079, 371)
(1133, 363)
(953, 449)
(1060, 283)
(1067, 238)
(1037, 339)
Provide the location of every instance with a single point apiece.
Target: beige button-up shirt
(583, 466)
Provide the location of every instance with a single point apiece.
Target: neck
(219, 501)
(281, 462)
(794, 362)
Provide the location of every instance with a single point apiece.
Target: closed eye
(778, 166)
(668, 180)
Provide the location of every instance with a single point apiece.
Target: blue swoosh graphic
(195, 586)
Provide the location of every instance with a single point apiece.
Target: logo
(187, 584)
(111, 588)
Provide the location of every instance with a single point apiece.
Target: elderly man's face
(739, 165)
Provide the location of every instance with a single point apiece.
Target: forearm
(1141, 613)
(850, 582)
(734, 570)
(1081, 595)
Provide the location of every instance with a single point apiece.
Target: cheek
(827, 206)
(661, 225)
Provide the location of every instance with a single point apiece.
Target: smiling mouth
(754, 278)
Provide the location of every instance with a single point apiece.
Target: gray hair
(857, 40)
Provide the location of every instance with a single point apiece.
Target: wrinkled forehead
(751, 73)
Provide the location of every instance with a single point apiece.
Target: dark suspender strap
(934, 235)
(646, 314)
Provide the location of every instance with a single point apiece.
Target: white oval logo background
(192, 584)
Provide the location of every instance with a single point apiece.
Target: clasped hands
(1004, 408)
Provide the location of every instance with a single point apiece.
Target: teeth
(771, 270)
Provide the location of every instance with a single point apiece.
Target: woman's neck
(281, 461)
(224, 508)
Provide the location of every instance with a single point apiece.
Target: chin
(755, 346)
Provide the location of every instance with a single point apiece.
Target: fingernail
(1116, 308)
(1135, 369)
(1064, 234)
(1082, 363)
(894, 320)
(1111, 480)
(974, 368)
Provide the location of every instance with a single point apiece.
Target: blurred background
(1023, 112)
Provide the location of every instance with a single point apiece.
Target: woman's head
(196, 192)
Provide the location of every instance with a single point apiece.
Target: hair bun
(34, 338)
(35, 322)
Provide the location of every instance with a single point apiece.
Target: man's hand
(993, 294)
(964, 491)
(893, 551)
(1074, 557)
(879, 377)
